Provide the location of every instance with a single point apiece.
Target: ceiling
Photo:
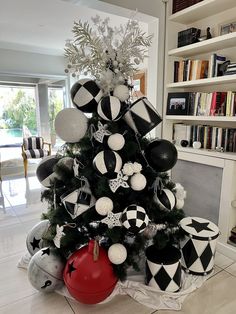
(43, 26)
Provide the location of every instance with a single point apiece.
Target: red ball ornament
(89, 276)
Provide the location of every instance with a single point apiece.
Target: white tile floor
(23, 210)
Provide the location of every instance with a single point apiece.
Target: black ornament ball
(45, 171)
(184, 143)
(161, 155)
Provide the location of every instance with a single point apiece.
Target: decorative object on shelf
(88, 274)
(85, 95)
(227, 28)
(165, 199)
(66, 125)
(179, 5)
(232, 237)
(205, 37)
(163, 268)
(188, 36)
(228, 68)
(45, 271)
(45, 171)
(134, 218)
(178, 103)
(116, 141)
(117, 253)
(184, 143)
(104, 205)
(142, 117)
(34, 240)
(110, 108)
(199, 246)
(161, 155)
(197, 144)
(107, 163)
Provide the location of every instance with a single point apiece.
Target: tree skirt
(145, 295)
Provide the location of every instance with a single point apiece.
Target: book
(176, 71)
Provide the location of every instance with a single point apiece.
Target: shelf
(227, 79)
(201, 10)
(209, 45)
(201, 118)
(206, 152)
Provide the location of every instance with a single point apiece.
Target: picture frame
(178, 103)
(227, 27)
(139, 85)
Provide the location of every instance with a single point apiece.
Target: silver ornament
(112, 220)
(34, 240)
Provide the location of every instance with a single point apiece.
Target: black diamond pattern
(177, 276)
(206, 256)
(189, 253)
(162, 278)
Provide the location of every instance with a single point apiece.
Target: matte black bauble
(161, 155)
(184, 143)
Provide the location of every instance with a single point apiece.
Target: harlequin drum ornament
(107, 163)
(142, 117)
(71, 125)
(34, 240)
(161, 155)
(85, 95)
(199, 245)
(45, 271)
(163, 268)
(89, 275)
(110, 108)
(134, 218)
(165, 198)
(45, 171)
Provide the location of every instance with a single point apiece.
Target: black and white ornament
(45, 171)
(78, 201)
(85, 95)
(119, 181)
(71, 125)
(104, 205)
(134, 218)
(117, 253)
(180, 194)
(110, 108)
(34, 240)
(107, 163)
(121, 92)
(112, 220)
(138, 182)
(58, 236)
(116, 141)
(45, 271)
(101, 132)
(165, 198)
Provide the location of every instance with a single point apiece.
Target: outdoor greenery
(55, 105)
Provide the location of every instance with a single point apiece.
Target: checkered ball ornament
(134, 218)
(85, 95)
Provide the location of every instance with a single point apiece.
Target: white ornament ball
(179, 204)
(197, 145)
(116, 141)
(104, 205)
(71, 125)
(128, 169)
(138, 182)
(117, 253)
(121, 92)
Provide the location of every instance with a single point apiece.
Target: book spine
(176, 71)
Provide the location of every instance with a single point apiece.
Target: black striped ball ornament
(45, 171)
(85, 95)
(165, 198)
(107, 163)
(109, 108)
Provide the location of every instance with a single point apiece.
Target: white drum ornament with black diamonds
(163, 268)
(107, 163)
(34, 240)
(199, 245)
(45, 271)
(134, 218)
(85, 95)
(142, 116)
(109, 108)
(45, 173)
(165, 198)
(78, 201)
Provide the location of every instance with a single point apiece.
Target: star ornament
(112, 220)
(35, 243)
(71, 268)
(101, 132)
(199, 226)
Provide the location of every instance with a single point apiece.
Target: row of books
(203, 104)
(179, 5)
(188, 70)
(211, 137)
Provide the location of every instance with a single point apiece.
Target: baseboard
(227, 250)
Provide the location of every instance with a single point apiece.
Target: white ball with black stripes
(45, 171)
(109, 108)
(165, 198)
(107, 163)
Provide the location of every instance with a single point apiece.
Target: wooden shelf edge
(207, 152)
(201, 118)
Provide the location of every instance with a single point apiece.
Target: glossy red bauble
(89, 281)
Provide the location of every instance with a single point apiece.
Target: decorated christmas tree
(108, 191)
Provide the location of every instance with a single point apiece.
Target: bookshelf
(211, 13)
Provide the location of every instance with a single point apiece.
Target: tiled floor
(23, 209)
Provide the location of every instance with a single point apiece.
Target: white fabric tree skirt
(148, 296)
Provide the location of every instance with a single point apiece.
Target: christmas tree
(108, 183)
